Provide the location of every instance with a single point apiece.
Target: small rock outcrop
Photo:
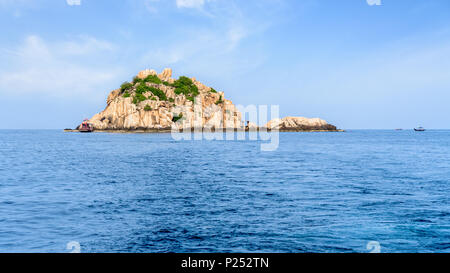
(300, 124)
(166, 75)
(155, 102)
(145, 73)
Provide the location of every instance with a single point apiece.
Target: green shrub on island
(182, 90)
(185, 86)
(153, 79)
(125, 86)
(137, 80)
(139, 98)
(183, 80)
(143, 88)
(220, 101)
(159, 93)
(177, 118)
(148, 108)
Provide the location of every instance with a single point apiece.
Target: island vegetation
(139, 87)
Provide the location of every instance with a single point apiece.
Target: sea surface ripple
(319, 192)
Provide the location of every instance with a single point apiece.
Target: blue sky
(353, 64)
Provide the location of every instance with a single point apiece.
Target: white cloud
(206, 53)
(16, 3)
(61, 69)
(73, 2)
(190, 3)
(87, 45)
(199, 44)
(218, 44)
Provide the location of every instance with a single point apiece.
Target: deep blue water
(319, 192)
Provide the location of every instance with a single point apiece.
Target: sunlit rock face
(209, 109)
(300, 124)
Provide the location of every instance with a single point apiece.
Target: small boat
(86, 127)
(419, 129)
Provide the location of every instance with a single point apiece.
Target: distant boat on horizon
(419, 129)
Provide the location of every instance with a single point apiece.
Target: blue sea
(318, 192)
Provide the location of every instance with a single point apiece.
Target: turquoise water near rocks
(319, 192)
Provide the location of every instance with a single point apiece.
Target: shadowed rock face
(171, 110)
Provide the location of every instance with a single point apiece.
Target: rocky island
(155, 102)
